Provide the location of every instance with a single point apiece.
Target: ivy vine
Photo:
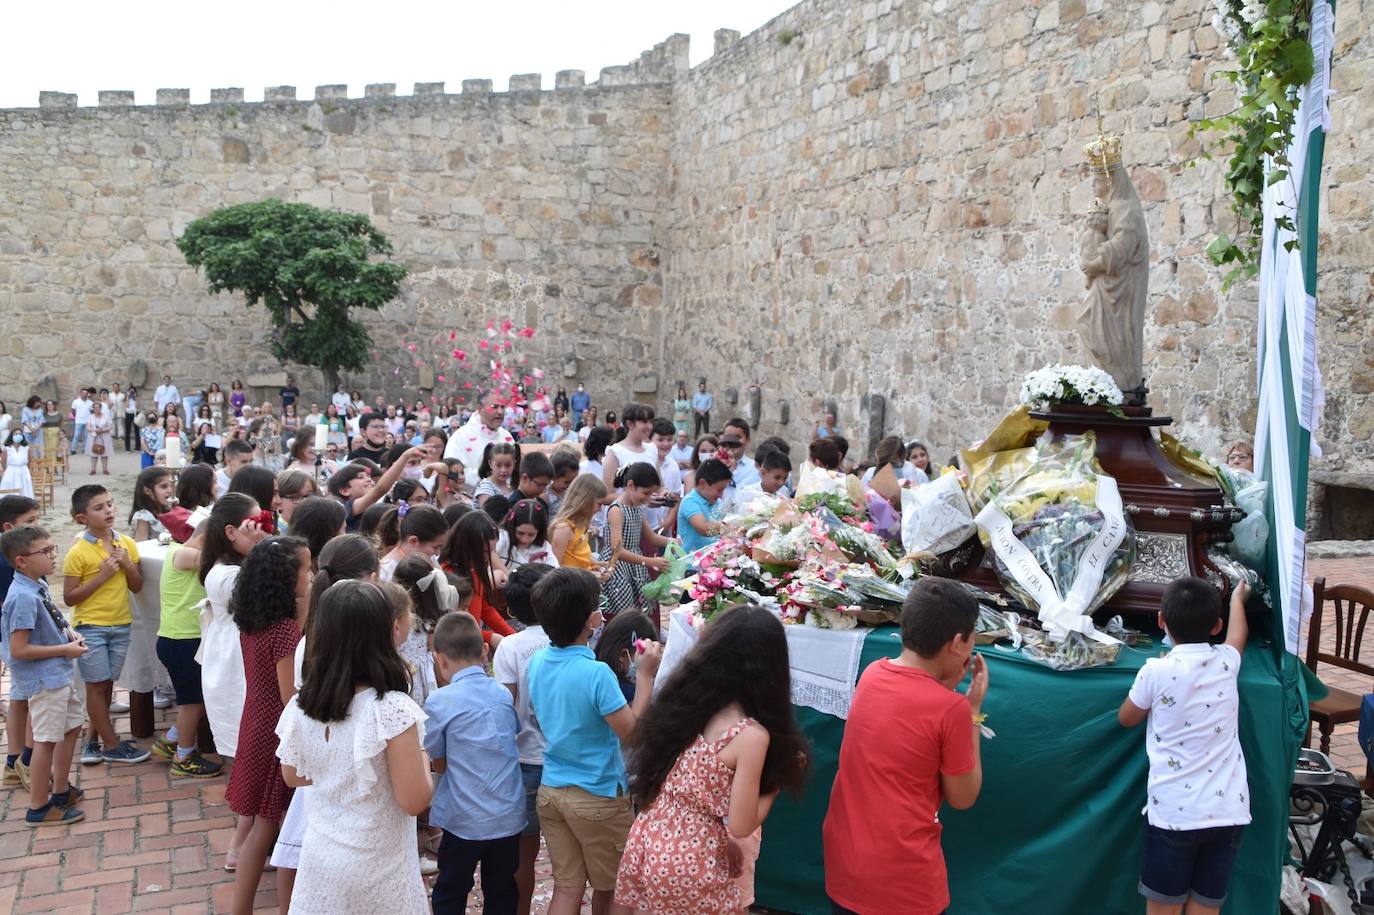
(1270, 41)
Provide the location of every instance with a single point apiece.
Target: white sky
(145, 45)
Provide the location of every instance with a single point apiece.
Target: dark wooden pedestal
(1176, 515)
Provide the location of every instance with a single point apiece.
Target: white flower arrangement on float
(1075, 384)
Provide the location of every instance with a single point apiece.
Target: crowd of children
(338, 644)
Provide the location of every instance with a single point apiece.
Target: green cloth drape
(1057, 827)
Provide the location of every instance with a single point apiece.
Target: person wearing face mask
(579, 402)
(706, 449)
(616, 647)
(15, 462)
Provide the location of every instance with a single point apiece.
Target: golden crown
(1104, 151)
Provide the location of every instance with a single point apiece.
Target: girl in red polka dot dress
(270, 596)
(710, 756)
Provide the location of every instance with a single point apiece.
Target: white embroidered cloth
(825, 662)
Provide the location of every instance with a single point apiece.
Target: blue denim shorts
(1182, 863)
(531, 775)
(105, 658)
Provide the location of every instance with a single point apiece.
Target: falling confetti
(526, 332)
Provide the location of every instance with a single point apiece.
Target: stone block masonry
(885, 198)
(534, 206)
(861, 202)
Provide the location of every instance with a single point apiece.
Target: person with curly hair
(270, 597)
(715, 748)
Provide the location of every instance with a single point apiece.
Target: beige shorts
(54, 712)
(585, 835)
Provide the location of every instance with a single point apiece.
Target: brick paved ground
(153, 844)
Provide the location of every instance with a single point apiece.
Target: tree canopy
(308, 266)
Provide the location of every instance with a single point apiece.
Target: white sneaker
(428, 866)
(118, 708)
(163, 700)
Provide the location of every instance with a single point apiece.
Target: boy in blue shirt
(42, 648)
(480, 802)
(584, 803)
(697, 523)
(16, 511)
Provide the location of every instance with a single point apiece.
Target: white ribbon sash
(1060, 616)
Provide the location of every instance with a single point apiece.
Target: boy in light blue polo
(584, 805)
(42, 648)
(480, 802)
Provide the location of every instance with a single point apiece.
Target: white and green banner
(1290, 386)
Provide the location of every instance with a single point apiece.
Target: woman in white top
(5, 421)
(635, 448)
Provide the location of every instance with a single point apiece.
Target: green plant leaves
(1275, 61)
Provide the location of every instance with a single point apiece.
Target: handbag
(97, 448)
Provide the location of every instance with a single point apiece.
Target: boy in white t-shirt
(1198, 798)
(510, 667)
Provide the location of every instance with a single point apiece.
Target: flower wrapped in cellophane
(1060, 542)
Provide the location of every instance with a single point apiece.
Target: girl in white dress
(353, 734)
(16, 463)
(231, 532)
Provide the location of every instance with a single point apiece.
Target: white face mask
(706, 455)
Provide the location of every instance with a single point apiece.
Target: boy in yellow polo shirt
(100, 570)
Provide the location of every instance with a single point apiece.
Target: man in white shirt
(482, 429)
(561, 432)
(681, 451)
(81, 413)
(315, 417)
(341, 400)
(166, 393)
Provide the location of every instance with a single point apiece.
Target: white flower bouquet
(1075, 384)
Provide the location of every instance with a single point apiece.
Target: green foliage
(1269, 38)
(307, 266)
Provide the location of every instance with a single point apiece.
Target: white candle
(321, 437)
(173, 451)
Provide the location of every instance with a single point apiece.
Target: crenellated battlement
(660, 65)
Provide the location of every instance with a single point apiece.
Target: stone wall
(545, 207)
(883, 198)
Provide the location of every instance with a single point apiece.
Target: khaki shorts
(54, 712)
(585, 834)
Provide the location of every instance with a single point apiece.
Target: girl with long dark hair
(717, 745)
(269, 600)
(467, 554)
(352, 735)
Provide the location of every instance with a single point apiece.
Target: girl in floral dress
(709, 758)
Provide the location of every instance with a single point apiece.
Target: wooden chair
(43, 488)
(1351, 606)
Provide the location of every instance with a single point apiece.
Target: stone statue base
(1176, 515)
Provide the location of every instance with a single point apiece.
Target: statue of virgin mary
(1117, 266)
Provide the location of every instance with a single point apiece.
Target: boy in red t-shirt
(910, 743)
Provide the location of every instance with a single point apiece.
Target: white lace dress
(221, 660)
(359, 854)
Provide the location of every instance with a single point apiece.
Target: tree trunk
(331, 378)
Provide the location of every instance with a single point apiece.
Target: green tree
(308, 267)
